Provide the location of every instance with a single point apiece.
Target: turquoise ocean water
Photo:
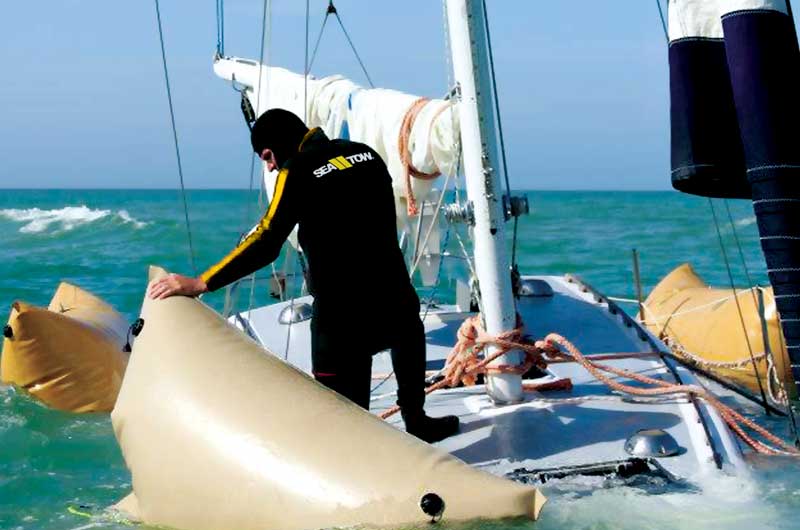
(103, 240)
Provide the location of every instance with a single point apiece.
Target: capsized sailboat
(597, 394)
(565, 430)
(70, 355)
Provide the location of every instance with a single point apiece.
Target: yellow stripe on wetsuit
(254, 236)
(340, 162)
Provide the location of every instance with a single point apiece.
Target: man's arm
(259, 248)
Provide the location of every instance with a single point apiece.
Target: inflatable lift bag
(706, 321)
(69, 355)
(220, 434)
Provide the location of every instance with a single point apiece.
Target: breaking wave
(37, 220)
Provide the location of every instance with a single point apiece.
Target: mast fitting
(515, 206)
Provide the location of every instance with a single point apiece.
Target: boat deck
(587, 425)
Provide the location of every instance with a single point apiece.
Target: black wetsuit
(340, 194)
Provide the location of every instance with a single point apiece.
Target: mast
(479, 142)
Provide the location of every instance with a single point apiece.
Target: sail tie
(404, 139)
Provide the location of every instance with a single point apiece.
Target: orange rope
(463, 366)
(731, 417)
(409, 169)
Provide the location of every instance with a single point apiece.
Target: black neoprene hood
(280, 131)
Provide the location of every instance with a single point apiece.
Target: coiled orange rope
(463, 364)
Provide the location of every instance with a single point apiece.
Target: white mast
(468, 43)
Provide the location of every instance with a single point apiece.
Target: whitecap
(747, 221)
(37, 220)
(127, 218)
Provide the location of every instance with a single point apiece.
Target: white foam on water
(67, 218)
(126, 217)
(724, 503)
(747, 221)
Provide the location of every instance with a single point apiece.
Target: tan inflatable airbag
(69, 355)
(705, 321)
(220, 434)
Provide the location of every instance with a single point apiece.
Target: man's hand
(175, 284)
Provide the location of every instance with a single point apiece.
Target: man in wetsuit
(340, 194)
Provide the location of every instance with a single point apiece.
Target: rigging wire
(288, 250)
(663, 20)
(175, 138)
(750, 283)
(496, 98)
(220, 27)
(266, 8)
(353, 47)
(319, 39)
(417, 247)
(752, 289)
(331, 10)
(738, 306)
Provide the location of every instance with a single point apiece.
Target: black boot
(429, 429)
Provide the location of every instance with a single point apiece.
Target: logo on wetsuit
(342, 162)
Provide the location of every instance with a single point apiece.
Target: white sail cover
(344, 109)
(702, 18)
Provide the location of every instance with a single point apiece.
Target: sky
(583, 86)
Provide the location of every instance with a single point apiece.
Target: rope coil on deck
(464, 364)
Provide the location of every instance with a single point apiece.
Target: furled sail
(707, 155)
(764, 63)
(391, 122)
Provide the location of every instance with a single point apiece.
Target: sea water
(59, 470)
